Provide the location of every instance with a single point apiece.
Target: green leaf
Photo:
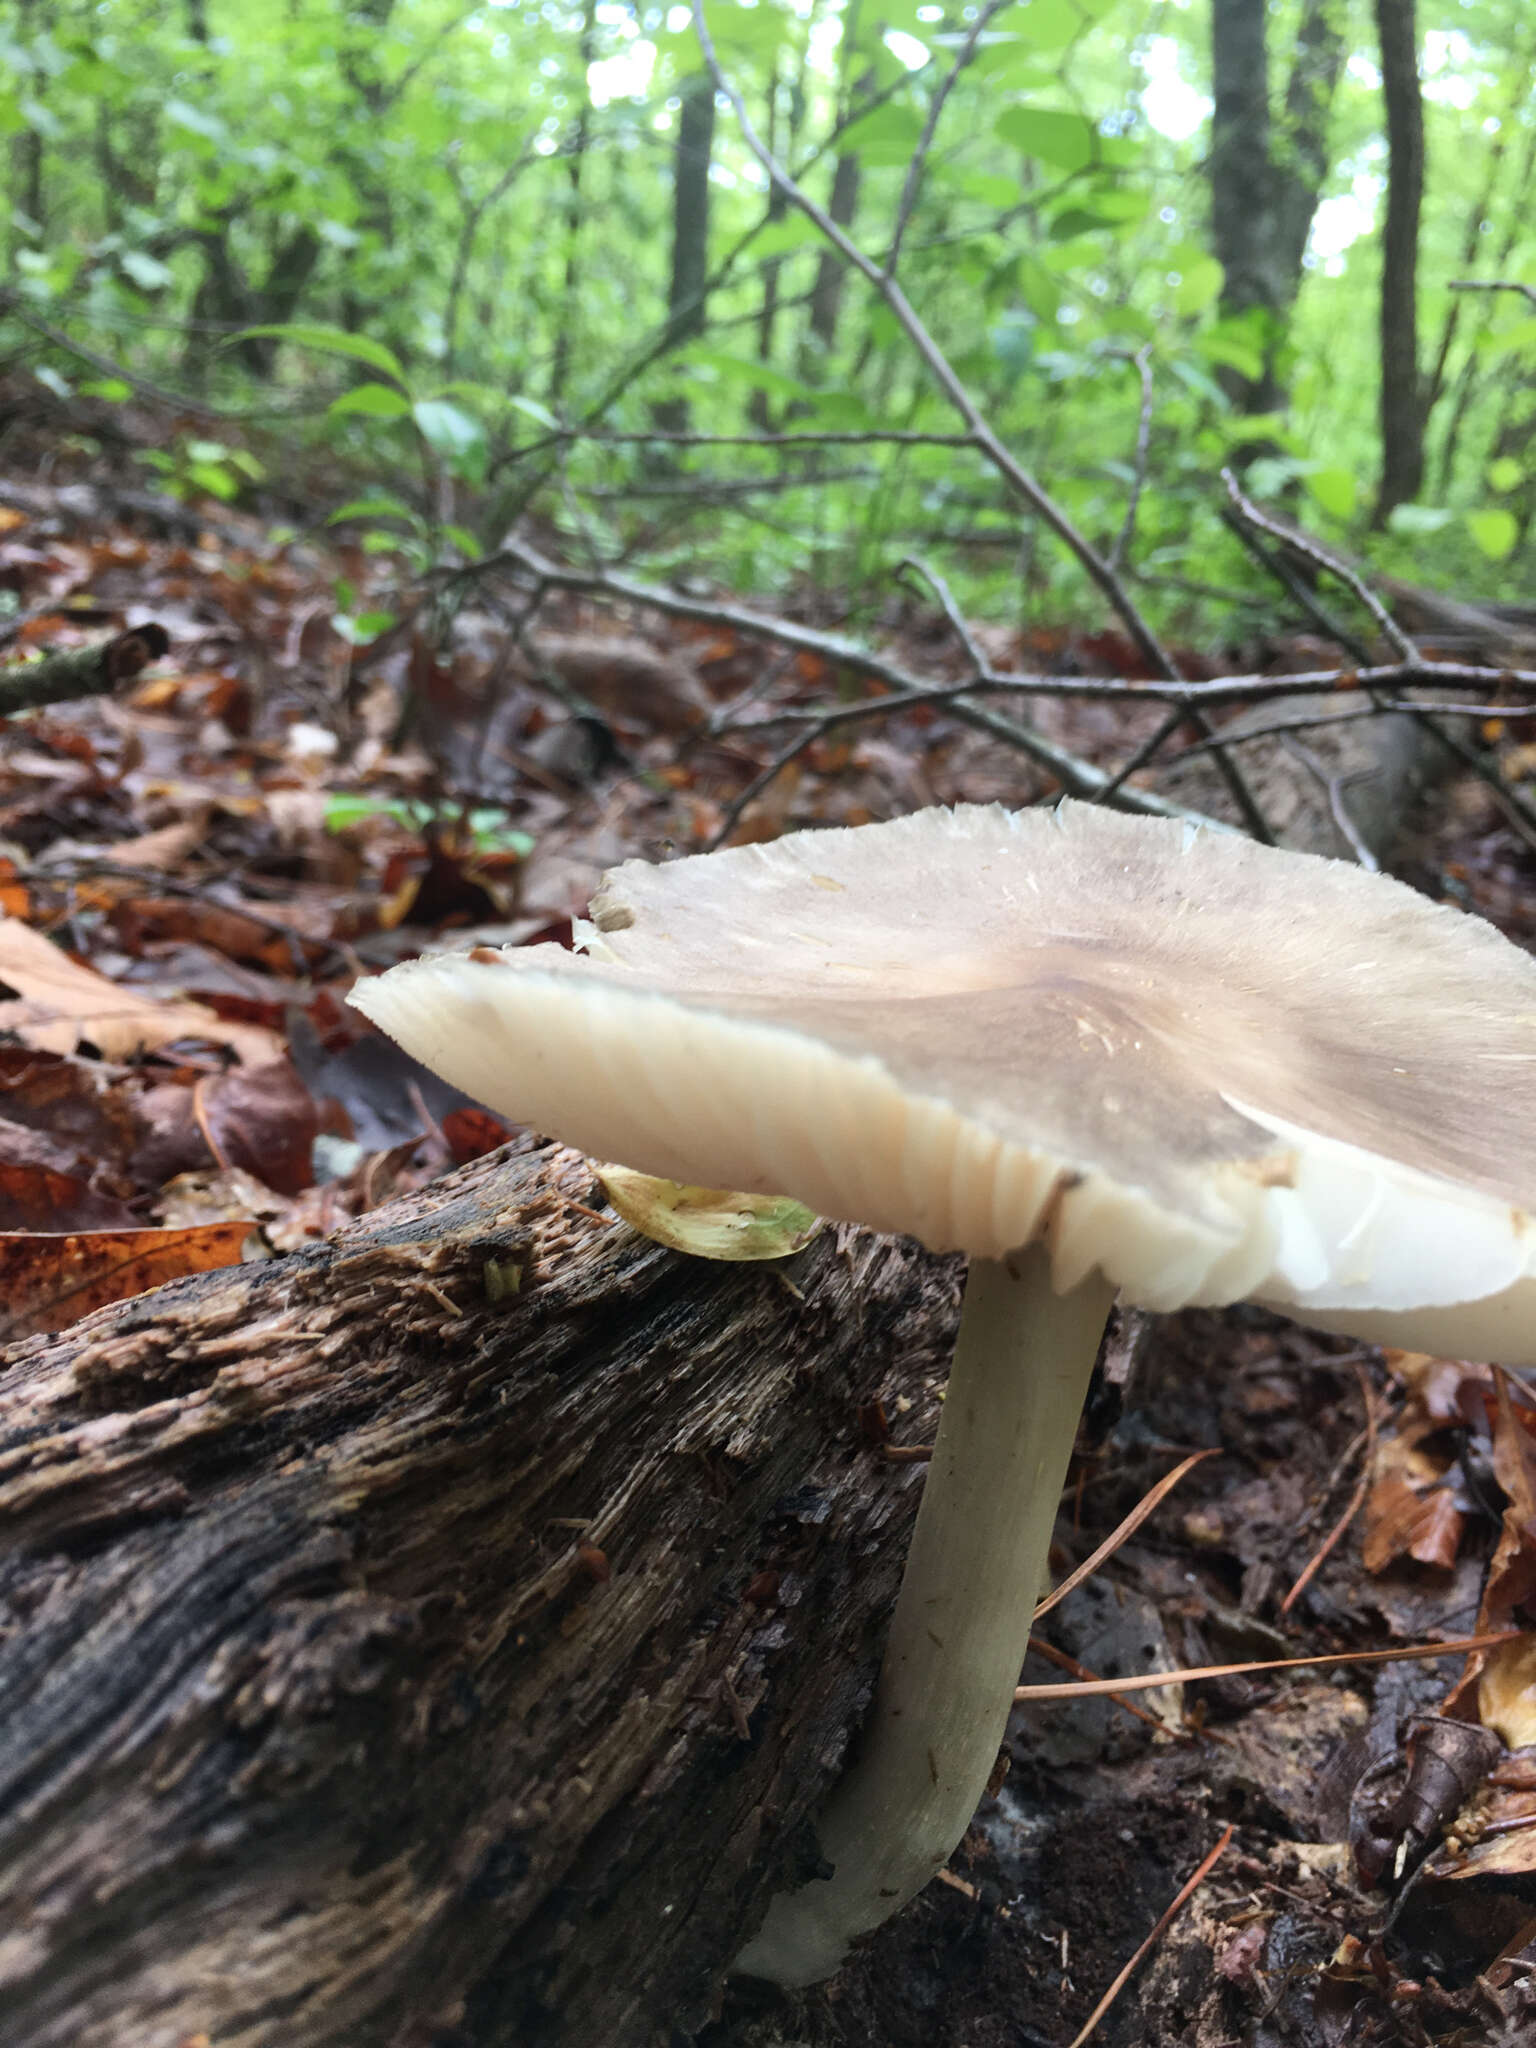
(181, 114)
(740, 370)
(333, 341)
(1045, 24)
(147, 270)
(1050, 134)
(1504, 473)
(1332, 487)
(381, 507)
(112, 388)
(531, 409)
(784, 237)
(708, 1223)
(447, 429)
(886, 137)
(1200, 278)
(372, 401)
(1494, 530)
(1417, 520)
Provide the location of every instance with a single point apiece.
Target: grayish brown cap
(1211, 1069)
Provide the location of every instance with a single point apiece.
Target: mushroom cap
(1211, 1069)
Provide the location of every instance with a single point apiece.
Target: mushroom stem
(961, 1627)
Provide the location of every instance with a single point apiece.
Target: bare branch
(939, 367)
(1012, 471)
(1492, 284)
(912, 184)
(1076, 776)
(951, 610)
(1313, 552)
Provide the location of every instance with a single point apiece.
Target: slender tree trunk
(831, 271)
(758, 410)
(576, 162)
(690, 208)
(27, 147)
(690, 231)
(1402, 392)
(1266, 176)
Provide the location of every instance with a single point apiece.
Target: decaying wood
(440, 1635)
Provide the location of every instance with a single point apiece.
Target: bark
(441, 1634)
(1402, 392)
(827, 291)
(576, 162)
(690, 208)
(1266, 177)
(686, 307)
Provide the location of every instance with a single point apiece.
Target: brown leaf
(262, 1118)
(1402, 1521)
(49, 1280)
(55, 1004)
(1506, 1691)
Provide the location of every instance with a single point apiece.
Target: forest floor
(193, 871)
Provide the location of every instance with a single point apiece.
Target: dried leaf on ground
(49, 1280)
(57, 1005)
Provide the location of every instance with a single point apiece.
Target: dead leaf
(1401, 1521)
(169, 847)
(1506, 1691)
(49, 1280)
(54, 1004)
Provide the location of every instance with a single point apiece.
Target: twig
(1492, 284)
(841, 437)
(82, 671)
(1520, 813)
(1149, 1501)
(1333, 788)
(939, 368)
(1357, 1500)
(1040, 1648)
(912, 183)
(759, 782)
(1203, 1870)
(1148, 751)
(951, 610)
(1313, 552)
(1076, 776)
(1306, 601)
(1143, 362)
(1155, 1681)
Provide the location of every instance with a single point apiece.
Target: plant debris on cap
(1209, 1068)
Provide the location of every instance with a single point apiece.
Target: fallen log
(441, 1634)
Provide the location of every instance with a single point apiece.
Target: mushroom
(1094, 1052)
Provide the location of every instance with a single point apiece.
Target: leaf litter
(194, 870)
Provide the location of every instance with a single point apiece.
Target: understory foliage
(449, 250)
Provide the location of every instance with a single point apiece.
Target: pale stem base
(958, 1637)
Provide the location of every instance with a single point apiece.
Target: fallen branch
(81, 671)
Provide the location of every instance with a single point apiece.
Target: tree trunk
(576, 163)
(443, 1633)
(827, 291)
(1402, 395)
(690, 232)
(690, 208)
(1265, 186)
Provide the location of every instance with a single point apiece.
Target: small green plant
(196, 466)
(485, 826)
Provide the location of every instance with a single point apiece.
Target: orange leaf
(49, 1280)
